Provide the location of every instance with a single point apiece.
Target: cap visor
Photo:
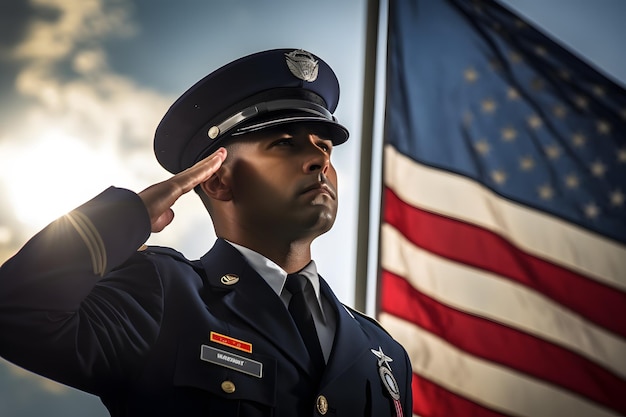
(338, 134)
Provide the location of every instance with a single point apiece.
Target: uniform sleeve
(77, 303)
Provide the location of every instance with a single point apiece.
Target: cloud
(66, 72)
(86, 126)
(75, 98)
(77, 23)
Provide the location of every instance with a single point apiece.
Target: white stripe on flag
(484, 294)
(486, 383)
(548, 238)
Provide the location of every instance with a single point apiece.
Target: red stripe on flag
(481, 248)
(498, 343)
(432, 400)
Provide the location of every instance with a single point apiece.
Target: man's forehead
(259, 139)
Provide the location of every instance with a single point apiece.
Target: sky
(84, 83)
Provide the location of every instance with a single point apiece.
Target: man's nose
(316, 158)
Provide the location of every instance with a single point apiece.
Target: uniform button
(322, 405)
(228, 387)
(213, 132)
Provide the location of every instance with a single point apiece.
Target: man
(250, 329)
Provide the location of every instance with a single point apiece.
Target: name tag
(231, 361)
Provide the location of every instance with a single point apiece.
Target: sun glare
(53, 175)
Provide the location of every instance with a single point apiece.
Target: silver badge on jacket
(387, 378)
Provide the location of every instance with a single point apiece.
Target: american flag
(503, 231)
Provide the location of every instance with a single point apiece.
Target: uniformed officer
(250, 329)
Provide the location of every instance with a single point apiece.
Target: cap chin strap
(266, 107)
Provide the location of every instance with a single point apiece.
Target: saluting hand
(159, 198)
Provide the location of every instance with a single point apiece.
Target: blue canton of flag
(514, 110)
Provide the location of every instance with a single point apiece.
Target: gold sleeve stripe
(90, 235)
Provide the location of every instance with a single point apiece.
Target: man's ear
(218, 186)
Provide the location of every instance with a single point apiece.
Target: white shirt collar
(274, 275)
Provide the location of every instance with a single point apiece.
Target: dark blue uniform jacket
(79, 304)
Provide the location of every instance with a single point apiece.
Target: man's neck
(291, 256)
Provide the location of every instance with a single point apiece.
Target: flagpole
(367, 131)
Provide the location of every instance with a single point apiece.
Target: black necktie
(301, 314)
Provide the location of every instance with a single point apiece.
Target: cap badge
(302, 64)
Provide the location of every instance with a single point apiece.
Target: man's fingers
(159, 198)
(201, 171)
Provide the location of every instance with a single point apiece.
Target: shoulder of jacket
(359, 316)
(164, 251)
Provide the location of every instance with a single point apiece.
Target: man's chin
(325, 222)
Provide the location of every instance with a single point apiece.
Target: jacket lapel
(252, 300)
(350, 343)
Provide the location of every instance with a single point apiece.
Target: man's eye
(284, 142)
(325, 146)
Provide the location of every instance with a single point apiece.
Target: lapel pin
(229, 279)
